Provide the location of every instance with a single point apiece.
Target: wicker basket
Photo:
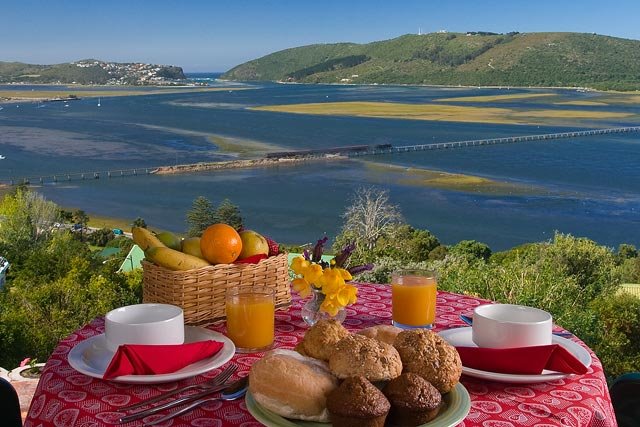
(201, 292)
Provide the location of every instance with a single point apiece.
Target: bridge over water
(389, 149)
(350, 151)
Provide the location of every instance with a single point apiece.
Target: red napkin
(253, 259)
(139, 359)
(522, 360)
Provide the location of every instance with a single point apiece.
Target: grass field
(450, 113)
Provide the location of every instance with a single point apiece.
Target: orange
(220, 244)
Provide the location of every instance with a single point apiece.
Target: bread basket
(201, 292)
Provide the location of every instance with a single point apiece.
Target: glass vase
(311, 310)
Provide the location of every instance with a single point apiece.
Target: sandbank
(449, 113)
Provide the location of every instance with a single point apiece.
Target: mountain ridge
(560, 59)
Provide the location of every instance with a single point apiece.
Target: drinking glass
(250, 314)
(413, 298)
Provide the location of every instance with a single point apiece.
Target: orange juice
(413, 299)
(250, 319)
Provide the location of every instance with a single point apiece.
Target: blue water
(584, 186)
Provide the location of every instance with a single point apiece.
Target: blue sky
(215, 35)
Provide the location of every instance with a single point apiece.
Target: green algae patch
(449, 113)
(494, 98)
(583, 103)
(445, 180)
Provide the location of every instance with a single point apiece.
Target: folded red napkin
(523, 360)
(253, 259)
(139, 359)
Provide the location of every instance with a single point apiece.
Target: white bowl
(509, 326)
(144, 324)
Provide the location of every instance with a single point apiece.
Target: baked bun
(357, 403)
(426, 354)
(320, 339)
(357, 355)
(292, 385)
(384, 333)
(414, 401)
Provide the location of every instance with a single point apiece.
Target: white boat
(2, 157)
(98, 102)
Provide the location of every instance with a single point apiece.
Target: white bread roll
(292, 385)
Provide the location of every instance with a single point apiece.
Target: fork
(219, 379)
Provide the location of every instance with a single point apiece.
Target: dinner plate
(457, 401)
(91, 357)
(461, 337)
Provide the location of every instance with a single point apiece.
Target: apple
(253, 244)
(191, 246)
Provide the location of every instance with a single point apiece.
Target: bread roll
(320, 340)
(427, 354)
(384, 333)
(357, 355)
(292, 385)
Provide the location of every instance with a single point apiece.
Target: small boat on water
(98, 102)
(2, 157)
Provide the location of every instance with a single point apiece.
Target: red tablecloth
(65, 397)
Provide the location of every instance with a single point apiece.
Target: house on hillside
(4, 266)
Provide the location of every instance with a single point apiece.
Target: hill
(474, 59)
(91, 71)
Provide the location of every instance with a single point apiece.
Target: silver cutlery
(234, 391)
(216, 384)
(469, 321)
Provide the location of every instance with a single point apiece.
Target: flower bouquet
(328, 281)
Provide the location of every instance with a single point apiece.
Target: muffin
(384, 333)
(357, 403)
(320, 339)
(414, 401)
(425, 353)
(357, 355)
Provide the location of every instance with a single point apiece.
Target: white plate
(461, 337)
(91, 357)
(458, 404)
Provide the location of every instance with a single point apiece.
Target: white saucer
(91, 357)
(461, 337)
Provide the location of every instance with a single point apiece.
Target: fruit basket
(201, 292)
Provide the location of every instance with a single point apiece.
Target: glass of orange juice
(413, 298)
(250, 314)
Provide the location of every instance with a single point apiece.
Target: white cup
(510, 326)
(144, 324)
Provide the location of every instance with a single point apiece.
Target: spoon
(469, 321)
(234, 391)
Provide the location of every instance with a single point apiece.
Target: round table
(65, 397)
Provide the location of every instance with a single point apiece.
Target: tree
(139, 222)
(201, 215)
(101, 237)
(369, 217)
(471, 249)
(81, 219)
(229, 213)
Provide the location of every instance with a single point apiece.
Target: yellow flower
(330, 305)
(299, 265)
(302, 287)
(313, 273)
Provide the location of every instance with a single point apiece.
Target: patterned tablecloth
(65, 397)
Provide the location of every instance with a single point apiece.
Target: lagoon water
(587, 186)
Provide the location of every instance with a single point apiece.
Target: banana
(144, 238)
(172, 259)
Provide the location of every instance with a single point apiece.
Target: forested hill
(513, 59)
(91, 71)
